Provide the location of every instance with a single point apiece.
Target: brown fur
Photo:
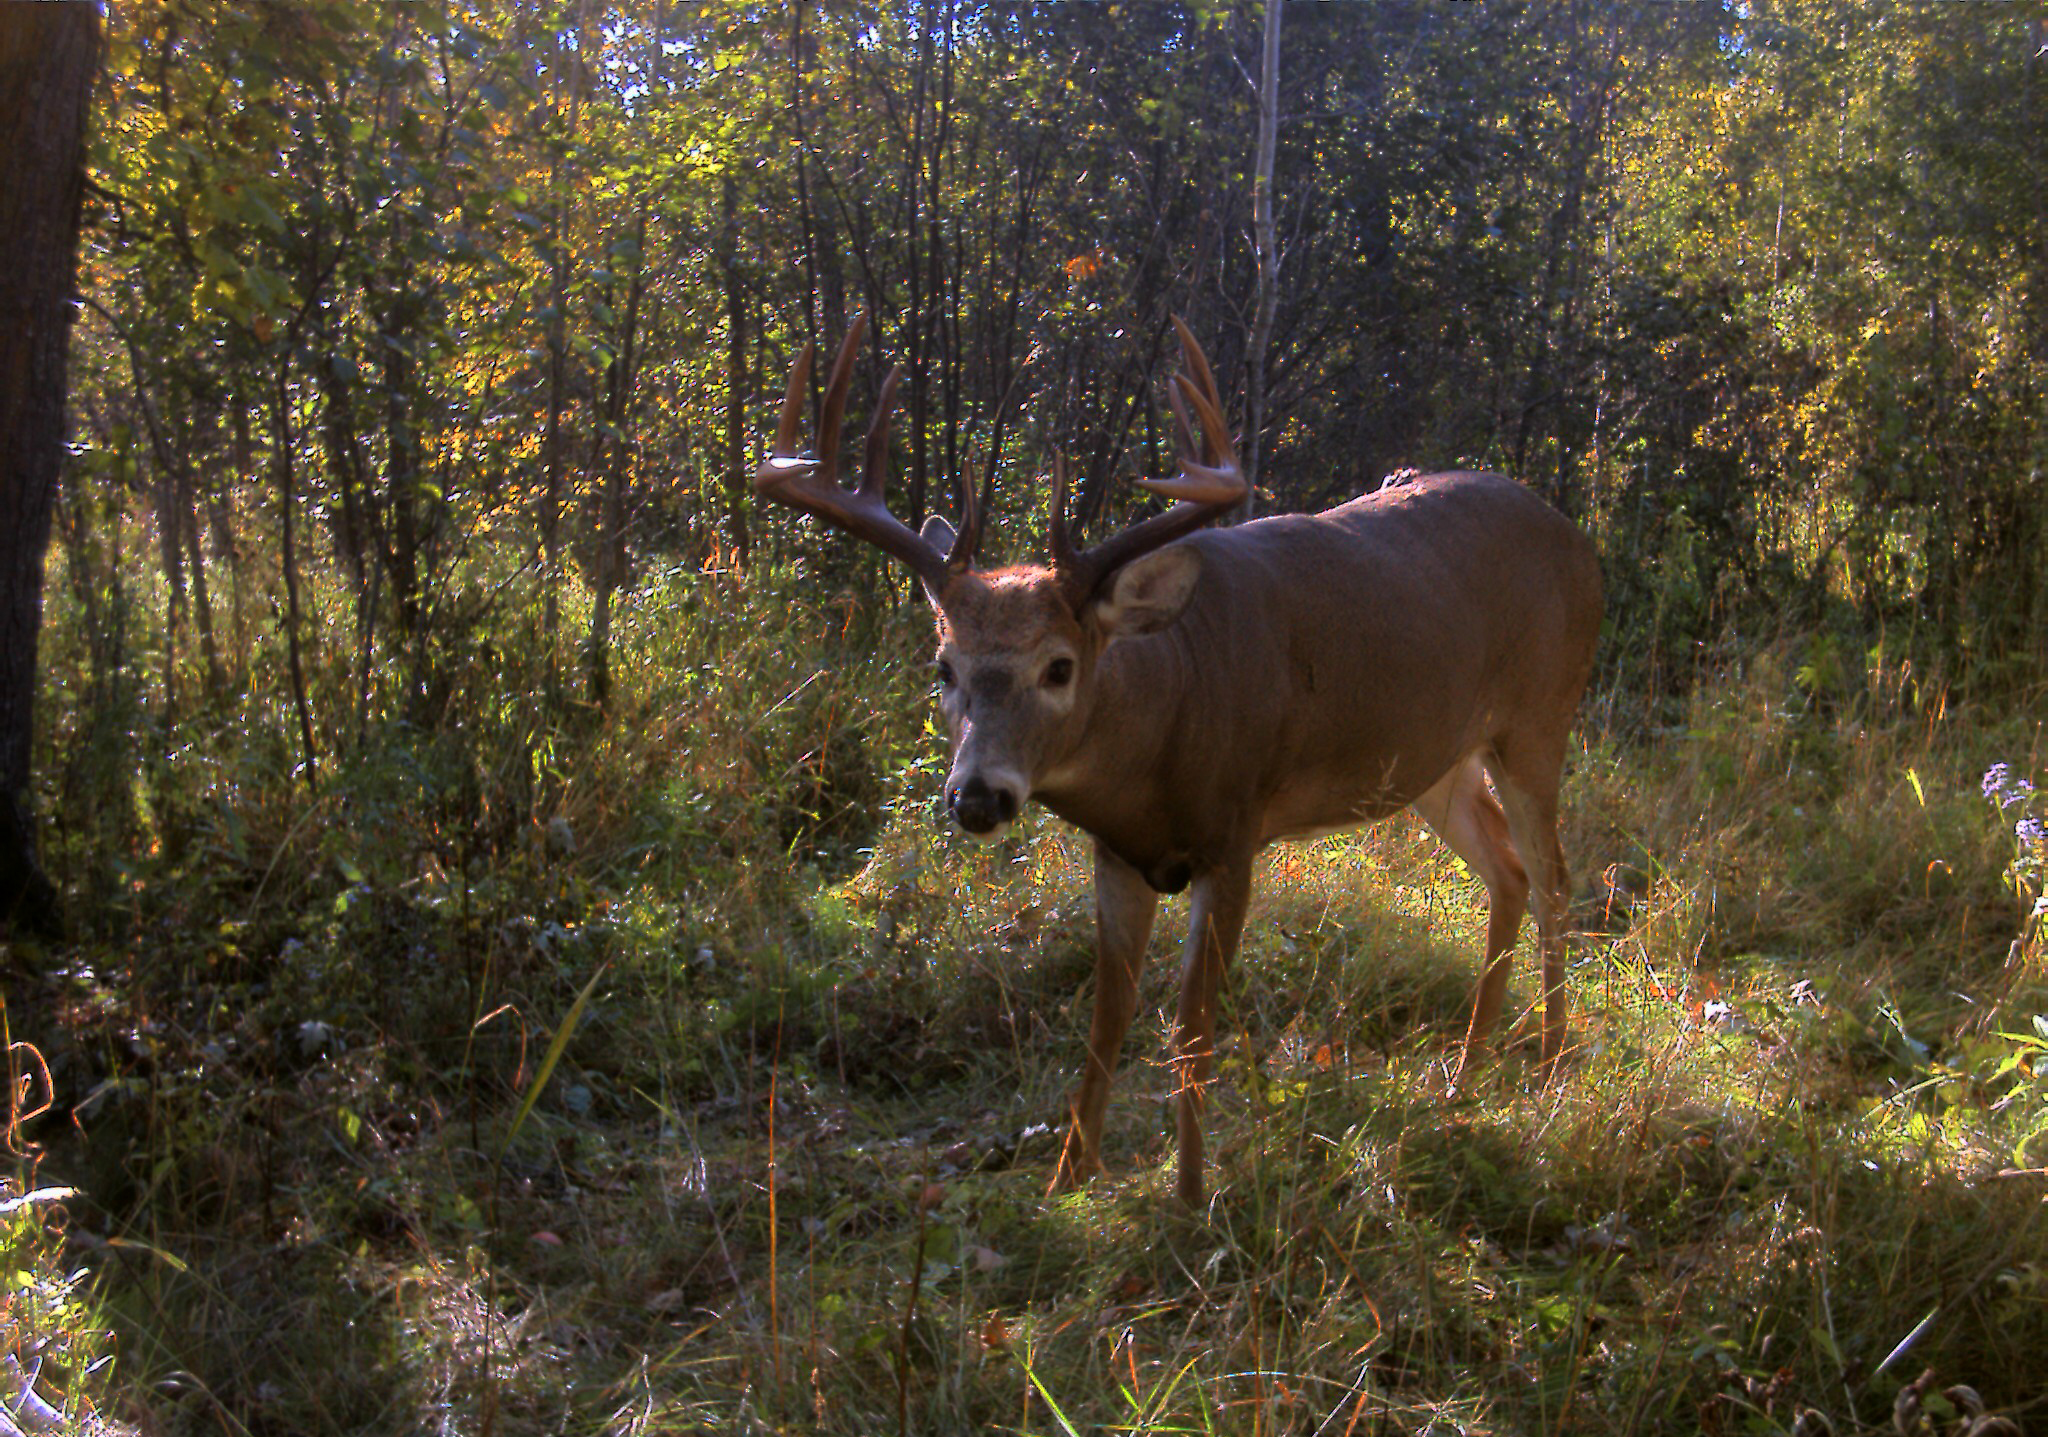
(1285, 678)
(1004, 610)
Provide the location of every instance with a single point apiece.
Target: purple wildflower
(2030, 833)
(1995, 778)
(2016, 794)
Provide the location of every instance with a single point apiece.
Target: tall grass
(789, 1172)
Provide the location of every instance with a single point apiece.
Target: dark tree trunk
(202, 600)
(48, 55)
(281, 463)
(735, 377)
(613, 458)
(170, 552)
(916, 331)
(562, 181)
(1266, 260)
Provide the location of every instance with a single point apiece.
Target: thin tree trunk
(202, 602)
(943, 338)
(282, 464)
(613, 452)
(735, 377)
(551, 451)
(48, 55)
(797, 55)
(612, 447)
(916, 329)
(170, 553)
(561, 182)
(220, 512)
(359, 522)
(178, 513)
(1266, 242)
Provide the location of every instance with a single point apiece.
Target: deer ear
(1149, 593)
(939, 534)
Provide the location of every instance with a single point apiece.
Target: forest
(491, 955)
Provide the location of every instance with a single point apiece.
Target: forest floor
(620, 1123)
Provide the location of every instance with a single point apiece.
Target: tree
(48, 55)
(1266, 251)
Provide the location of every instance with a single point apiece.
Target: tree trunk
(202, 600)
(562, 181)
(1265, 239)
(613, 457)
(281, 463)
(170, 553)
(612, 446)
(735, 377)
(48, 55)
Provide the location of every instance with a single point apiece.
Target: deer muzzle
(982, 808)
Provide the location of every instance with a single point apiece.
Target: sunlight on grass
(788, 1171)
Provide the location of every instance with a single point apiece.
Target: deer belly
(1303, 812)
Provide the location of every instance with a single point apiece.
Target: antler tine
(874, 477)
(1210, 473)
(810, 483)
(835, 399)
(792, 415)
(960, 558)
(1197, 363)
(1064, 555)
(1207, 490)
(787, 460)
(1185, 442)
(1218, 443)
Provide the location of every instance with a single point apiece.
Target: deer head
(1018, 646)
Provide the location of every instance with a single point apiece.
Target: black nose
(979, 808)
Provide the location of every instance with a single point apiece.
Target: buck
(1188, 698)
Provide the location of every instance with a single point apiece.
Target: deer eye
(1059, 673)
(945, 673)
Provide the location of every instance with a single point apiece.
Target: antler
(810, 483)
(1210, 483)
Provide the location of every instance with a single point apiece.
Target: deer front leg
(1215, 923)
(1124, 908)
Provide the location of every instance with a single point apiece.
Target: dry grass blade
(553, 1055)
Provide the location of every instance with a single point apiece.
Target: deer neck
(1114, 779)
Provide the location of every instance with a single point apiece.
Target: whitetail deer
(1189, 698)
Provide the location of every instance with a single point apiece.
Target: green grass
(788, 1174)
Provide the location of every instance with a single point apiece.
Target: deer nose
(978, 808)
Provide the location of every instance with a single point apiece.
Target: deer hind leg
(1466, 816)
(1215, 923)
(1527, 780)
(1124, 909)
